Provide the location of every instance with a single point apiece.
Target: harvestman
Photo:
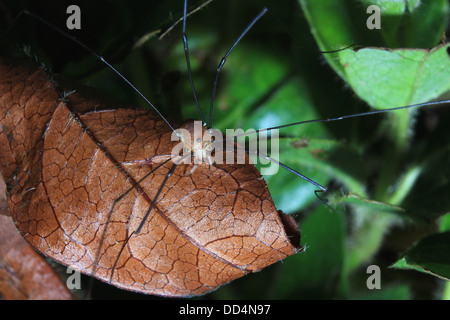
(208, 144)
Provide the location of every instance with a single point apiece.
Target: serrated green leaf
(375, 75)
(368, 204)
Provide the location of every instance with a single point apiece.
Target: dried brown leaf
(24, 274)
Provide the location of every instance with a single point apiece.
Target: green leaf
(315, 272)
(445, 223)
(415, 75)
(430, 255)
(368, 204)
(375, 74)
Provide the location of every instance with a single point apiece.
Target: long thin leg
(426, 104)
(176, 163)
(224, 59)
(65, 34)
(156, 198)
(322, 188)
(110, 214)
(144, 219)
(138, 182)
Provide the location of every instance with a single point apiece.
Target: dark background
(111, 28)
